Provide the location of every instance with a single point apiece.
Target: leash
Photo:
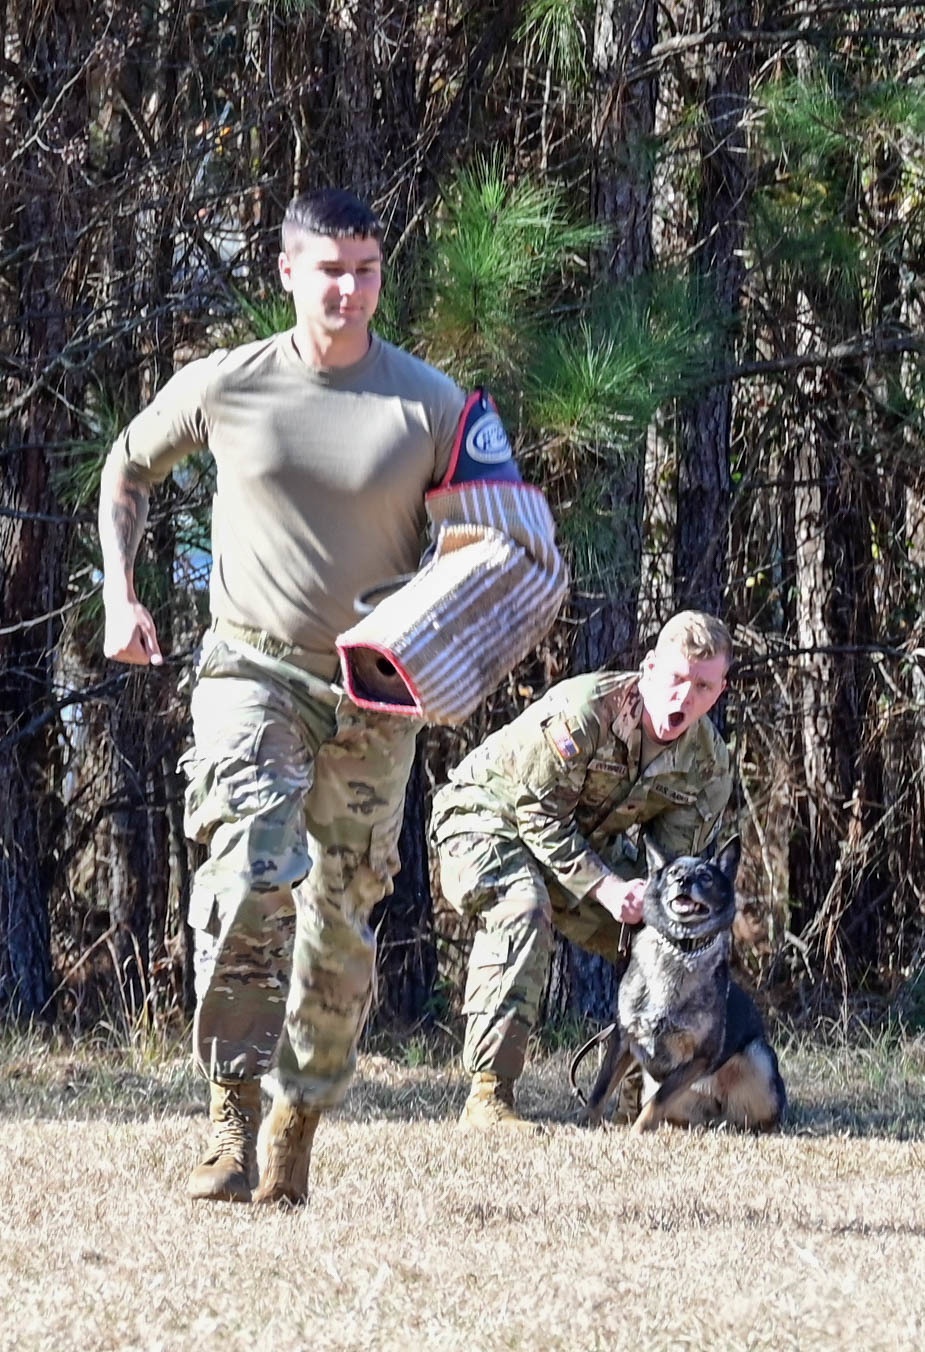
(367, 600)
(601, 1036)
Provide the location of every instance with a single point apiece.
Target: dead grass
(420, 1237)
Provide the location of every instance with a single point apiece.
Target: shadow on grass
(438, 1095)
(883, 1100)
(845, 1116)
(83, 1091)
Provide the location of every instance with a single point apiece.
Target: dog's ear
(727, 861)
(655, 858)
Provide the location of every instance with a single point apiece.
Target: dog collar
(691, 945)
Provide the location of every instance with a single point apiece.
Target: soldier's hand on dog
(621, 899)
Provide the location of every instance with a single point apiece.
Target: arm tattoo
(128, 512)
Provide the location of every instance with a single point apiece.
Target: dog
(698, 1037)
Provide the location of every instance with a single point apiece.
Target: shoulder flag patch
(561, 738)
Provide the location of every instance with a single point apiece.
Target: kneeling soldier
(531, 831)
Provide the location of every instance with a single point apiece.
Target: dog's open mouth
(687, 907)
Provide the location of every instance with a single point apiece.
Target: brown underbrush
(418, 1236)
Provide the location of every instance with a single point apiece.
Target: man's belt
(316, 664)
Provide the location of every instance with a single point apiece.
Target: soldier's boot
(629, 1097)
(228, 1171)
(491, 1104)
(284, 1150)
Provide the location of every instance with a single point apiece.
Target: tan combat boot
(284, 1149)
(491, 1104)
(227, 1173)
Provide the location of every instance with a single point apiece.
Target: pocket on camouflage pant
(472, 872)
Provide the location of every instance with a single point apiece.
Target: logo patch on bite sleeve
(482, 449)
(486, 439)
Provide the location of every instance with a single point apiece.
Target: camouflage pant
(519, 905)
(299, 796)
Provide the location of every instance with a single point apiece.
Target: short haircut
(698, 635)
(333, 212)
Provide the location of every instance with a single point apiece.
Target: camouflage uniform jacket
(564, 778)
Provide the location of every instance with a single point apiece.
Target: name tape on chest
(616, 769)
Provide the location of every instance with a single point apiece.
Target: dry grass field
(418, 1236)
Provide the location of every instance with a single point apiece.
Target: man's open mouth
(675, 719)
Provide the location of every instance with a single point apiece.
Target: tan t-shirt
(321, 475)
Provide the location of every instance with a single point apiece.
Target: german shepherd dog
(698, 1037)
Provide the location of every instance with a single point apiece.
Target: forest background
(681, 243)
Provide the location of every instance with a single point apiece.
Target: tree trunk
(704, 483)
(581, 983)
(33, 540)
